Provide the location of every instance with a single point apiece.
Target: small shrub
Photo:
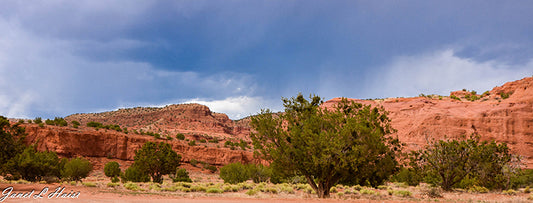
(383, 187)
(527, 190)
(251, 192)
(286, 188)
(478, 189)
(193, 162)
(202, 141)
(38, 120)
(94, 124)
(234, 173)
(77, 169)
(510, 192)
(112, 169)
(272, 190)
(198, 188)
(41, 125)
(433, 192)
(211, 168)
(333, 189)
(403, 193)
(89, 184)
(505, 95)
(192, 143)
(134, 174)
(115, 179)
(131, 186)
(180, 136)
(455, 97)
(365, 191)
(75, 123)
(113, 184)
(214, 140)
(182, 176)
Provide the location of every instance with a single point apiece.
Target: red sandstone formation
(421, 119)
(88, 142)
(169, 120)
(417, 120)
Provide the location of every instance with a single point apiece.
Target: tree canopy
(347, 143)
(156, 160)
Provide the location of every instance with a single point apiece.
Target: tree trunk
(321, 189)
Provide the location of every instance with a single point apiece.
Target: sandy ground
(97, 194)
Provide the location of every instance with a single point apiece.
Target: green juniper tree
(347, 143)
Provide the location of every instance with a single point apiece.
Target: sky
(60, 57)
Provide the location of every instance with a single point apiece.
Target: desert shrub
(20, 121)
(180, 136)
(251, 192)
(505, 95)
(94, 124)
(455, 97)
(402, 193)
(89, 184)
(133, 174)
(192, 143)
(234, 173)
(202, 141)
(286, 188)
(211, 168)
(259, 172)
(75, 124)
(193, 162)
(115, 179)
(41, 125)
(366, 191)
(131, 186)
(181, 176)
(198, 188)
(113, 184)
(510, 192)
(214, 140)
(243, 144)
(465, 163)
(478, 189)
(333, 189)
(433, 192)
(38, 120)
(77, 169)
(112, 169)
(49, 122)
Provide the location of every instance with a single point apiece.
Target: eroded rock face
(421, 119)
(87, 142)
(418, 120)
(169, 120)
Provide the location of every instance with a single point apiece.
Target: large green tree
(11, 144)
(347, 143)
(156, 160)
